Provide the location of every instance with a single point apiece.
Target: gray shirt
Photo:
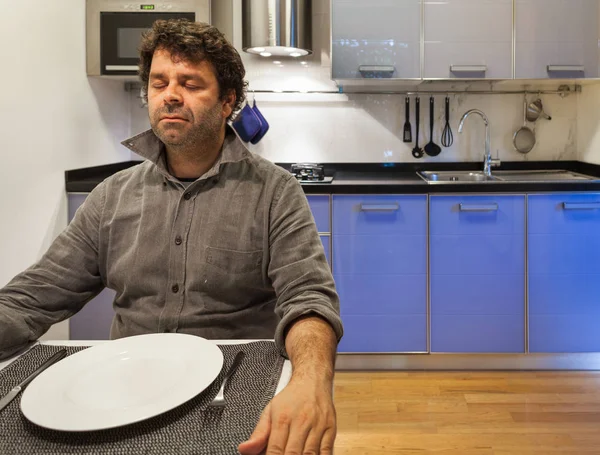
(235, 254)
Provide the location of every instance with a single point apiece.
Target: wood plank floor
(467, 413)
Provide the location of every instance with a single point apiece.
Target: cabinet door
(564, 273)
(380, 270)
(468, 39)
(369, 34)
(326, 241)
(477, 267)
(319, 206)
(94, 320)
(556, 38)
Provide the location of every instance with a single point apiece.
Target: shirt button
(178, 240)
(215, 181)
(175, 288)
(187, 196)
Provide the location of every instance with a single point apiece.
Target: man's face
(183, 101)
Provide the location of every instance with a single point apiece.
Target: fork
(219, 400)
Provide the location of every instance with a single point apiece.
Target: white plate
(121, 382)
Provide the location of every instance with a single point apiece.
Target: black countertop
(386, 178)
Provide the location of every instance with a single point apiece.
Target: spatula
(407, 127)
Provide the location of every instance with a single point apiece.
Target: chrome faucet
(488, 162)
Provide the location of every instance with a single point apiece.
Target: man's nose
(172, 94)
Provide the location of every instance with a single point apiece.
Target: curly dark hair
(195, 42)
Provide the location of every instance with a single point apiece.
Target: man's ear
(229, 103)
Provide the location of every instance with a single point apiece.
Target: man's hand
(299, 420)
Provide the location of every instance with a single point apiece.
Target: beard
(200, 128)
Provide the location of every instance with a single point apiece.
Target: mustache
(169, 110)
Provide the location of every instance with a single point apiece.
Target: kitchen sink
(455, 177)
(551, 175)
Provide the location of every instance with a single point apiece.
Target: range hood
(280, 28)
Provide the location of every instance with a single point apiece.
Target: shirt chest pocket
(234, 261)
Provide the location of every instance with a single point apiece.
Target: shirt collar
(150, 147)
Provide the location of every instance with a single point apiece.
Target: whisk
(447, 136)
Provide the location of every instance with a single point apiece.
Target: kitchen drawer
(477, 333)
(568, 293)
(384, 333)
(460, 215)
(469, 294)
(564, 253)
(319, 205)
(382, 294)
(564, 333)
(386, 254)
(380, 215)
(548, 214)
(478, 253)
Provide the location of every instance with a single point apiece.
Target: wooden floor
(479, 413)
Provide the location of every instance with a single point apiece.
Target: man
(202, 238)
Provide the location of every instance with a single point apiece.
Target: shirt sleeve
(58, 285)
(298, 267)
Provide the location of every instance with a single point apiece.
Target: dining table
(194, 427)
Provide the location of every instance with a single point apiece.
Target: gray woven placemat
(192, 428)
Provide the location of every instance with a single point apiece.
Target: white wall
(52, 119)
(588, 123)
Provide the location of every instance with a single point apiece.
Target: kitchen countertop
(364, 178)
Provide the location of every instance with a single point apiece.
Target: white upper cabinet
(468, 39)
(556, 39)
(376, 39)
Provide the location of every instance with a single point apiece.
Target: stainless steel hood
(279, 28)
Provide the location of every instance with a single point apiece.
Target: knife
(16, 390)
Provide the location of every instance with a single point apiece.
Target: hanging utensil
(447, 136)
(431, 148)
(535, 110)
(417, 152)
(407, 126)
(524, 137)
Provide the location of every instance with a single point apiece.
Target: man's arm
(312, 345)
(300, 419)
(58, 285)
(298, 267)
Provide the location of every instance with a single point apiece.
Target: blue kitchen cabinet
(477, 270)
(95, 318)
(326, 241)
(564, 273)
(320, 206)
(380, 270)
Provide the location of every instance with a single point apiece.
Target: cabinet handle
(121, 67)
(565, 68)
(379, 207)
(376, 71)
(581, 205)
(478, 207)
(468, 68)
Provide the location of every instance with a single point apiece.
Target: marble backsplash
(368, 128)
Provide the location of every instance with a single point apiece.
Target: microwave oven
(114, 29)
